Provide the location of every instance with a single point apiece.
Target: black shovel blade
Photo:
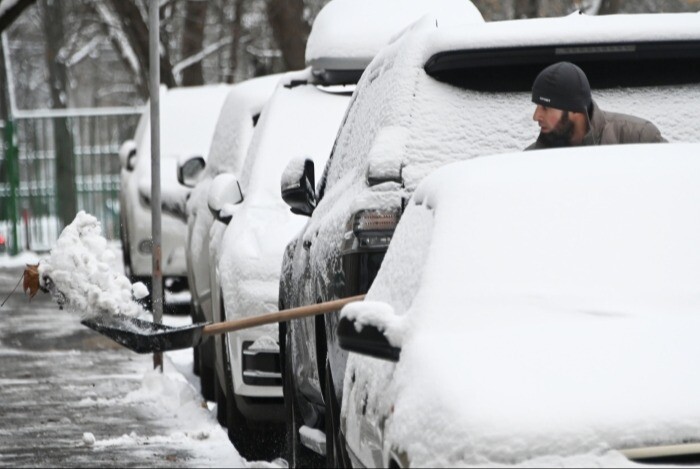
(144, 336)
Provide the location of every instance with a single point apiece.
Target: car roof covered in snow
(572, 30)
(347, 34)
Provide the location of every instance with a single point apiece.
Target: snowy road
(71, 398)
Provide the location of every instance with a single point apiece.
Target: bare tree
(609, 7)
(290, 30)
(236, 35)
(526, 8)
(11, 13)
(66, 197)
(135, 27)
(193, 40)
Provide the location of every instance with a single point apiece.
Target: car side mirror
(190, 172)
(127, 155)
(365, 339)
(299, 186)
(224, 191)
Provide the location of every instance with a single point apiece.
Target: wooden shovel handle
(279, 316)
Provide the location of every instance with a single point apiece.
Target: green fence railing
(55, 163)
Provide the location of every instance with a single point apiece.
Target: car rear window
(606, 65)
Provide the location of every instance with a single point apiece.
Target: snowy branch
(119, 38)
(199, 56)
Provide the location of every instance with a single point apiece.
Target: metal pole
(13, 172)
(157, 277)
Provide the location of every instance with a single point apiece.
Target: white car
(229, 145)
(187, 119)
(534, 309)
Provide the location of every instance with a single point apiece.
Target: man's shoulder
(626, 128)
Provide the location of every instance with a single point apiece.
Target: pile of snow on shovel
(79, 275)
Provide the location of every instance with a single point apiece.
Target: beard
(561, 135)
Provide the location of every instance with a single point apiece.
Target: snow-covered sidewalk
(74, 398)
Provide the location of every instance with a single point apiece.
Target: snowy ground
(73, 398)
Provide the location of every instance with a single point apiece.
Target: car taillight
(374, 228)
(367, 237)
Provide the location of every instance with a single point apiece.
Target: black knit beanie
(563, 86)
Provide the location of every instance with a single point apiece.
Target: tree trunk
(609, 7)
(136, 29)
(526, 9)
(290, 30)
(11, 14)
(236, 35)
(193, 40)
(4, 115)
(66, 197)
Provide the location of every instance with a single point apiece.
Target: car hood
(251, 254)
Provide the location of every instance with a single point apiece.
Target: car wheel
(296, 454)
(336, 453)
(221, 403)
(253, 442)
(195, 360)
(207, 372)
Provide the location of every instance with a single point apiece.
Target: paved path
(59, 380)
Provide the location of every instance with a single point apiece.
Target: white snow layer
(80, 268)
(356, 30)
(551, 303)
(573, 29)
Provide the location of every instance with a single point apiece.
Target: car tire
(253, 442)
(207, 372)
(221, 403)
(296, 454)
(336, 453)
(195, 360)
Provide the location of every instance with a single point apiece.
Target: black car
(432, 97)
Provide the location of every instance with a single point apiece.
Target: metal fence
(54, 162)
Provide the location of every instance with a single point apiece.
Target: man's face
(547, 118)
(556, 129)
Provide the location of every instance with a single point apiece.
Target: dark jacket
(609, 128)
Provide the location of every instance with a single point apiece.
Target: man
(568, 116)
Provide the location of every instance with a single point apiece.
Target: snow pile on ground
(79, 272)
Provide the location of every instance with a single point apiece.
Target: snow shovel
(148, 337)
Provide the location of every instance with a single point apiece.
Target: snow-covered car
(229, 145)
(187, 120)
(301, 119)
(534, 309)
(438, 94)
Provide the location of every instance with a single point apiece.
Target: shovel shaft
(279, 316)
